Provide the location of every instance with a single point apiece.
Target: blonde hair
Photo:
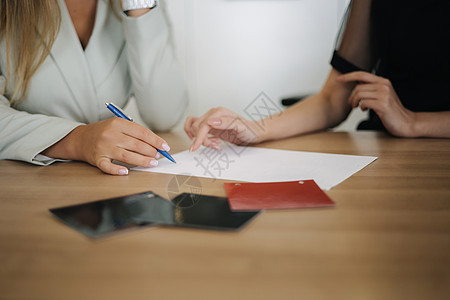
(29, 28)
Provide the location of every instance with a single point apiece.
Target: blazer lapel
(106, 43)
(69, 56)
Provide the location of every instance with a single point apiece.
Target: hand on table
(113, 139)
(221, 123)
(377, 93)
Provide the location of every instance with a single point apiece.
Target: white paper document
(252, 164)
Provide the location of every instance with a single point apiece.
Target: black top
(404, 41)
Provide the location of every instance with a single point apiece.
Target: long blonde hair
(29, 28)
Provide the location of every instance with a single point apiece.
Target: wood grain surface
(387, 238)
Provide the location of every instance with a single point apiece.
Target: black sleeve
(353, 48)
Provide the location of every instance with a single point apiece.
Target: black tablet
(104, 217)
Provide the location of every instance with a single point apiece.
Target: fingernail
(157, 155)
(165, 147)
(123, 171)
(215, 122)
(153, 163)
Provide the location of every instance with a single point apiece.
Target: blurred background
(231, 51)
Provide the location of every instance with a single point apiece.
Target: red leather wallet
(246, 196)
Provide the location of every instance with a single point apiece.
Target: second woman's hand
(377, 93)
(221, 124)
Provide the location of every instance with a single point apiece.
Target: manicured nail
(123, 171)
(153, 163)
(215, 122)
(165, 147)
(157, 155)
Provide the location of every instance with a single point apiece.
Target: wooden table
(387, 238)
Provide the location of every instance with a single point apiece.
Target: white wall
(232, 50)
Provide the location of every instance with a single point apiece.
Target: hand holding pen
(135, 144)
(115, 139)
(119, 113)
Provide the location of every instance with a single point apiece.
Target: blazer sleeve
(23, 135)
(157, 82)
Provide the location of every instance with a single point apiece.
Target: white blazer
(130, 56)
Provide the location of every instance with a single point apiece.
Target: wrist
(414, 126)
(266, 127)
(75, 141)
(261, 128)
(67, 147)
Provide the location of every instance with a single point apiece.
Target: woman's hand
(376, 93)
(113, 139)
(221, 123)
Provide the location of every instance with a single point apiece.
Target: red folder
(246, 196)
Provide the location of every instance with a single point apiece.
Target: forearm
(431, 124)
(311, 114)
(24, 135)
(323, 110)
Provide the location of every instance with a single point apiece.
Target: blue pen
(119, 113)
